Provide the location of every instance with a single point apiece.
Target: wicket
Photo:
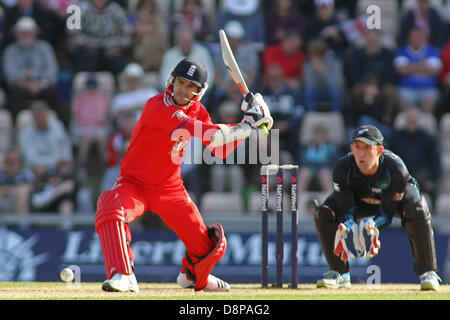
(266, 171)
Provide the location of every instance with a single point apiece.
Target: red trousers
(173, 206)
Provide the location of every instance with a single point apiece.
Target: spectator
(16, 183)
(445, 80)
(133, 97)
(31, 70)
(418, 65)
(389, 11)
(186, 47)
(284, 102)
(419, 150)
(324, 24)
(50, 23)
(116, 148)
(59, 6)
(104, 35)
(44, 142)
(426, 18)
(89, 124)
(289, 56)
(54, 189)
(377, 61)
(323, 77)
(368, 106)
(249, 14)
(246, 57)
(316, 160)
(150, 38)
(282, 17)
(228, 177)
(192, 15)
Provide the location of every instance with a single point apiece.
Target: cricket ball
(66, 275)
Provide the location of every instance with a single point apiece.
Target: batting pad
(204, 267)
(112, 231)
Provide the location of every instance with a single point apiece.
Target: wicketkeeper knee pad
(326, 226)
(323, 213)
(114, 234)
(415, 210)
(203, 267)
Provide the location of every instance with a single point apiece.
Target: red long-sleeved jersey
(157, 142)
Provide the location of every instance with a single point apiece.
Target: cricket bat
(235, 72)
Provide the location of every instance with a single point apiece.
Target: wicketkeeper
(150, 180)
(371, 186)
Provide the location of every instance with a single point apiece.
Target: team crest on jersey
(179, 114)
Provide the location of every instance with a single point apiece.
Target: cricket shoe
(429, 281)
(214, 284)
(334, 280)
(121, 283)
(184, 282)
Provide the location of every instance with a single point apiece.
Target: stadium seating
(222, 202)
(427, 122)
(443, 204)
(332, 120)
(6, 128)
(105, 80)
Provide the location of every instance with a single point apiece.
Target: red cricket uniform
(150, 179)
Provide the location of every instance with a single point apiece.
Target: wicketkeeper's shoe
(334, 280)
(429, 281)
(121, 283)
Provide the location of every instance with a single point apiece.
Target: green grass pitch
(169, 291)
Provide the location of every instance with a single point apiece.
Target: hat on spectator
(25, 24)
(241, 7)
(234, 29)
(133, 70)
(324, 2)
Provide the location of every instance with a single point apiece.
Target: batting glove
(257, 113)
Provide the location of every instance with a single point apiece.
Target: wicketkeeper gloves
(366, 227)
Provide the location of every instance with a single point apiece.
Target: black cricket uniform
(390, 192)
(355, 196)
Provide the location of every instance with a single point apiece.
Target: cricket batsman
(150, 180)
(371, 186)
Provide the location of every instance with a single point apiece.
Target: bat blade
(233, 69)
(230, 62)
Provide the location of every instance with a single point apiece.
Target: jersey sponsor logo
(179, 114)
(371, 200)
(191, 70)
(398, 196)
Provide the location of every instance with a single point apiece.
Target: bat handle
(248, 98)
(264, 129)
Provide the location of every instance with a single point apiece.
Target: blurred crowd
(70, 96)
